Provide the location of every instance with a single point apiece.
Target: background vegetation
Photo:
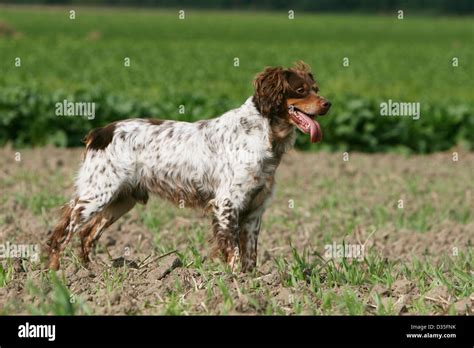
(432, 6)
(191, 62)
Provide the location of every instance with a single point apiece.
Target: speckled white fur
(226, 164)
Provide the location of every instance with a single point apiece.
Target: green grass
(52, 296)
(313, 283)
(389, 57)
(5, 274)
(314, 287)
(39, 202)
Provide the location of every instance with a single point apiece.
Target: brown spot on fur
(100, 138)
(155, 122)
(246, 125)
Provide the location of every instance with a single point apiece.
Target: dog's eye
(300, 90)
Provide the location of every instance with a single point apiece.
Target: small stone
(463, 306)
(379, 289)
(115, 297)
(402, 286)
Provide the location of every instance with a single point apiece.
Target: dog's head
(291, 96)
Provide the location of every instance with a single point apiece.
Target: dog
(224, 165)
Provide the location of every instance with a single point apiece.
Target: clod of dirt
(464, 306)
(121, 262)
(284, 296)
(439, 292)
(114, 297)
(85, 273)
(242, 305)
(110, 241)
(402, 286)
(401, 305)
(9, 219)
(271, 279)
(130, 306)
(379, 289)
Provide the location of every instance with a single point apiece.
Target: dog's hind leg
(75, 215)
(91, 233)
(78, 215)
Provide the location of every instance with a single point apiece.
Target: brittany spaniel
(224, 165)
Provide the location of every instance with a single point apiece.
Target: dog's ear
(270, 86)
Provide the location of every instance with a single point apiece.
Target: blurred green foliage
(190, 62)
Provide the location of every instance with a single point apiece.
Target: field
(402, 201)
(191, 62)
(417, 259)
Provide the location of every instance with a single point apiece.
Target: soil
(327, 192)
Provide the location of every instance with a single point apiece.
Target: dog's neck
(282, 136)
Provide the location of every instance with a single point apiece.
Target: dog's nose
(327, 104)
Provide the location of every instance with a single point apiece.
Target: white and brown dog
(226, 164)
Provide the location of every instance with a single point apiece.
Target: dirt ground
(412, 214)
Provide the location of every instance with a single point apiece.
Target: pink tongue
(316, 135)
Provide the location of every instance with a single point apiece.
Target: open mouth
(306, 123)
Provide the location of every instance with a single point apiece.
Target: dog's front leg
(225, 231)
(249, 230)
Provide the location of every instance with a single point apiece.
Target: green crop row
(354, 123)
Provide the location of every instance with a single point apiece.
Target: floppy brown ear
(269, 91)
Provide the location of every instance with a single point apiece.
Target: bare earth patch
(412, 214)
